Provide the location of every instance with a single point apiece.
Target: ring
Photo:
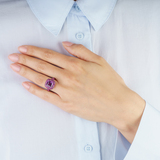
(50, 83)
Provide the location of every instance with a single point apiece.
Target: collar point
(96, 28)
(55, 33)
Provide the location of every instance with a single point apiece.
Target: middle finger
(40, 66)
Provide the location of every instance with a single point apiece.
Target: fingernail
(13, 58)
(26, 85)
(23, 49)
(66, 43)
(15, 67)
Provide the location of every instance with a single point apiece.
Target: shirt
(125, 33)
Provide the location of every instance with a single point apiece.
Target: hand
(86, 85)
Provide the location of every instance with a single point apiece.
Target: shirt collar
(52, 13)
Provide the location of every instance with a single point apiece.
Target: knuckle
(46, 97)
(47, 54)
(72, 59)
(67, 79)
(41, 66)
(101, 59)
(80, 47)
(76, 65)
(73, 80)
(31, 50)
(39, 79)
(23, 71)
(22, 59)
(32, 90)
(73, 63)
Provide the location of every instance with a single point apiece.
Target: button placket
(87, 143)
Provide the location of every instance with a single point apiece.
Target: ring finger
(35, 77)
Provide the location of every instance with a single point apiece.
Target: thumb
(80, 51)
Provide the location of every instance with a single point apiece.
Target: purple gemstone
(49, 83)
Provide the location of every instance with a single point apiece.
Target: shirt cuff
(146, 143)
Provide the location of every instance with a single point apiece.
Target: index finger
(48, 55)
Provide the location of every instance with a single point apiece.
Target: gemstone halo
(49, 84)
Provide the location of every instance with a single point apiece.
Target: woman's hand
(86, 85)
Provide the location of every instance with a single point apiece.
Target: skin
(86, 86)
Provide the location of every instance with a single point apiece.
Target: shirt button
(88, 148)
(79, 35)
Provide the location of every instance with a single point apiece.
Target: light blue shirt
(126, 33)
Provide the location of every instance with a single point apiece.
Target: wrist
(129, 122)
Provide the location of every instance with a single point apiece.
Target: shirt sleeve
(146, 143)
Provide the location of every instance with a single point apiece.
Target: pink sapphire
(49, 84)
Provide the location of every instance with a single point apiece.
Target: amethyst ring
(50, 83)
